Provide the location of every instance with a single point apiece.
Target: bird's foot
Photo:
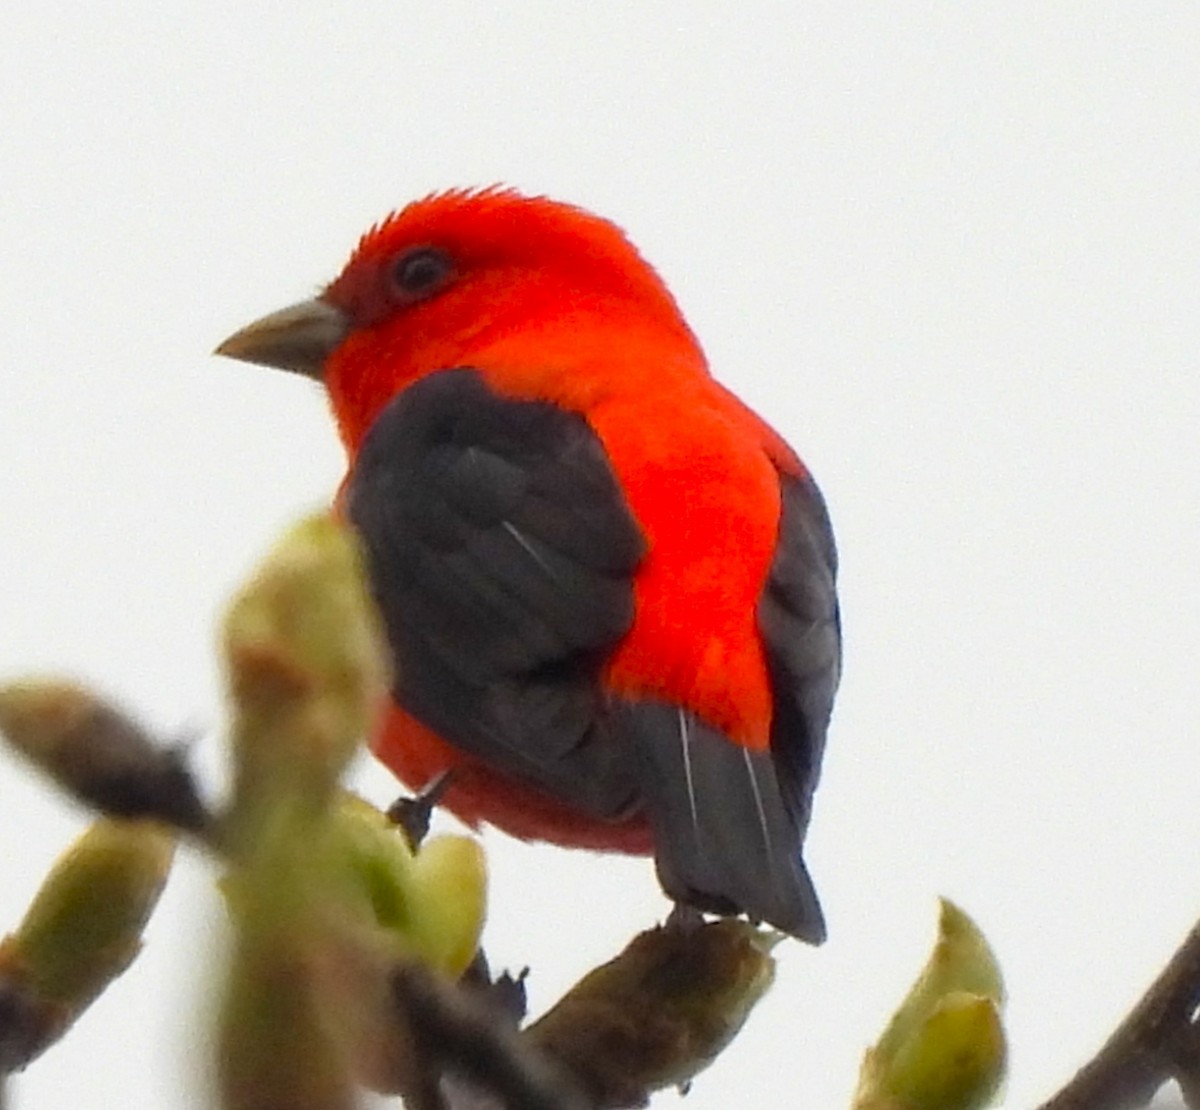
(684, 919)
(412, 815)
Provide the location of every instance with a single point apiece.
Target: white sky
(953, 254)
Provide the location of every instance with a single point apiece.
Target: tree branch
(457, 1037)
(1158, 1041)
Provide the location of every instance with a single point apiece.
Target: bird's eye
(421, 272)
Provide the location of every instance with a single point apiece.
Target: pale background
(952, 252)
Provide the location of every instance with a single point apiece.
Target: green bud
(944, 1048)
(275, 1049)
(84, 927)
(305, 664)
(956, 1061)
(661, 1011)
(433, 900)
(339, 896)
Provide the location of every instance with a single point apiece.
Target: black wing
(801, 626)
(501, 553)
(729, 823)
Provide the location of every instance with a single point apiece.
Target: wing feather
(501, 552)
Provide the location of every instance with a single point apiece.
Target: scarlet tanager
(607, 585)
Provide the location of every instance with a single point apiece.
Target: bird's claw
(412, 815)
(684, 918)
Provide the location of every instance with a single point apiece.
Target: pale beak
(298, 338)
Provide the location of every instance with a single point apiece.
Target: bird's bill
(298, 338)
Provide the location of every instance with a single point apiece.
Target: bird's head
(463, 278)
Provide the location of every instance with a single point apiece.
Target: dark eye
(421, 272)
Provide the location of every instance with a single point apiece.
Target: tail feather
(724, 838)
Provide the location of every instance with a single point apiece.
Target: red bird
(608, 586)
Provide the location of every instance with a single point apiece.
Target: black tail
(724, 839)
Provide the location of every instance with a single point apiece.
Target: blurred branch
(99, 754)
(1158, 1041)
(348, 941)
(457, 1037)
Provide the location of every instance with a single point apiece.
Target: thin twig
(1154, 1044)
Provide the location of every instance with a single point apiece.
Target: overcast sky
(952, 253)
